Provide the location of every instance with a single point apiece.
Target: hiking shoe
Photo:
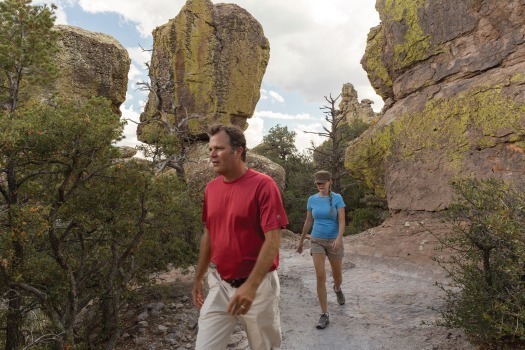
(324, 320)
(340, 296)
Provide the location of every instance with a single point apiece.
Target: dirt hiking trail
(389, 279)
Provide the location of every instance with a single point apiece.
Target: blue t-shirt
(326, 222)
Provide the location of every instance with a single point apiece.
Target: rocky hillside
(451, 75)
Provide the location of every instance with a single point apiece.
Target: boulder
(451, 75)
(199, 172)
(207, 66)
(91, 64)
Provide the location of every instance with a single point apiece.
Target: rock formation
(207, 66)
(91, 64)
(88, 64)
(352, 108)
(451, 75)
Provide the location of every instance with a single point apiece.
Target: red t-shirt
(237, 215)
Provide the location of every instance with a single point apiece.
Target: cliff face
(207, 65)
(452, 77)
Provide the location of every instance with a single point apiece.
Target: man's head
(227, 151)
(235, 134)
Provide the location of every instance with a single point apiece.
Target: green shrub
(362, 219)
(486, 263)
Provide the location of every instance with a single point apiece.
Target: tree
(26, 45)
(86, 224)
(278, 144)
(78, 225)
(330, 155)
(484, 255)
(364, 210)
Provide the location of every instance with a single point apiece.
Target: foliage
(299, 186)
(362, 214)
(346, 132)
(487, 298)
(85, 225)
(332, 155)
(278, 144)
(27, 45)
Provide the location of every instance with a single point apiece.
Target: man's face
(222, 155)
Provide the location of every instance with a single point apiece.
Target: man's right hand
(197, 293)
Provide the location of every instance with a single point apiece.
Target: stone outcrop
(452, 77)
(353, 109)
(199, 171)
(207, 66)
(91, 64)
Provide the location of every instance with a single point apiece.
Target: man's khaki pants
(261, 323)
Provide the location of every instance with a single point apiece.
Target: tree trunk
(14, 320)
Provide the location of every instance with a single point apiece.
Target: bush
(487, 296)
(362, 219)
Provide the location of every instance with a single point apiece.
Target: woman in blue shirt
(326, 213)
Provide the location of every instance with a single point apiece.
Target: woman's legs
(337, 270)
(320, 273)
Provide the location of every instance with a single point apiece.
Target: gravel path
(390, 304)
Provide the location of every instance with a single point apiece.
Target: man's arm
(202, 267)
(246, 293)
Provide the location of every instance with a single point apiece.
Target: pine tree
(27, 42)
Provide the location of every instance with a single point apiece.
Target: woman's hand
(337, 243)
(300, 247)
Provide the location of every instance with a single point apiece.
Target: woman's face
(323, 187)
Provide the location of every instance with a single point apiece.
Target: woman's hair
(330, 199)
(325, 176)
(235, 133)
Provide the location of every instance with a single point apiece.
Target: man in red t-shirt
(244, 215)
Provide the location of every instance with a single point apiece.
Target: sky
(315, 48)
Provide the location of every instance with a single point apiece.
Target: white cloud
(134, 73)
(276, 97)
(147, 14)
(282, 116)
(138, 71)
(139, 56)
(315, 47)
(304, 140)
(254, 132)
(130, 130)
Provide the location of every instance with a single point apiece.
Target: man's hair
(235, 133)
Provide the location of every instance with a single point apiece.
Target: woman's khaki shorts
(324, 245)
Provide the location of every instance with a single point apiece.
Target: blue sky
(315, 48)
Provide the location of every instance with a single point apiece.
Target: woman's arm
(342, 225)
(306, 228)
